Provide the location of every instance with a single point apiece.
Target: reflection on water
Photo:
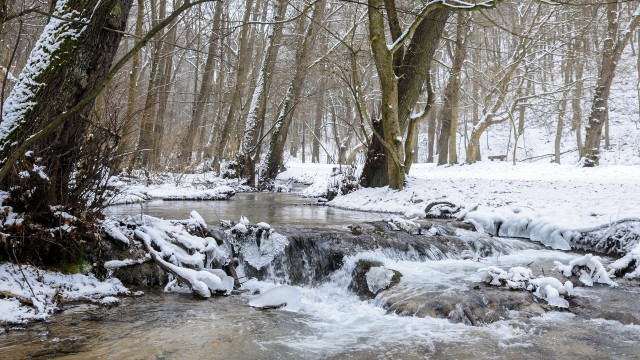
(272, 208)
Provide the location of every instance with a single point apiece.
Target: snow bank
(218, 193)
(139, 187)
(34, 294)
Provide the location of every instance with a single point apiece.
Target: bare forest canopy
(92, 88)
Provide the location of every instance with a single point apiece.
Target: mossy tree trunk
(69, 60)
(410, 69)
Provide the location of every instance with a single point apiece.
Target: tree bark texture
(47, 88)
(412, 72)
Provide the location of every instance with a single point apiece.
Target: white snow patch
(284, 296)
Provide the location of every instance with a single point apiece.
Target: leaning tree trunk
(279, 136)
(69, 60)
(258, 106)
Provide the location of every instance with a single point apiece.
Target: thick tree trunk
(68, 61)
(414, 69)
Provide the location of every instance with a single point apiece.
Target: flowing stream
(332, 322)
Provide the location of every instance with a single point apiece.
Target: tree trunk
(576, 104)
(127, 141)
(68, 61)
(414, 69)
(258, 106)
(431, 135)
(445, 124)
(164, 86)
(236, 99)
(204, 95)
(145, 138)
(456, 72)
(283, 122)
(319, 112)
(613, 47)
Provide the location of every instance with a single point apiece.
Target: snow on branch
(430, 6)
(62, 29)
(589, 268)
(520, 278)
(194, 261)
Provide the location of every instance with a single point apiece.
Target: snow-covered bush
(520, 278)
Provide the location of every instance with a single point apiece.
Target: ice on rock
(109, 300)
(516, 278)
(240, 227)
(521, 278)
(521, 223)
(378, 278)
(196, 220)
(286, 297)
(550, 289)
(263, 226)
(596, 274)
(259, 256)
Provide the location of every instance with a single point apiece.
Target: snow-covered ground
(173, 186)
(29, 293)
(566, 196)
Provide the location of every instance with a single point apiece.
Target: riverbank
(562, 196)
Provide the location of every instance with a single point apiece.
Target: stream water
(332, 322)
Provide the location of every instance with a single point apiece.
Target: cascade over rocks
(309, 255)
